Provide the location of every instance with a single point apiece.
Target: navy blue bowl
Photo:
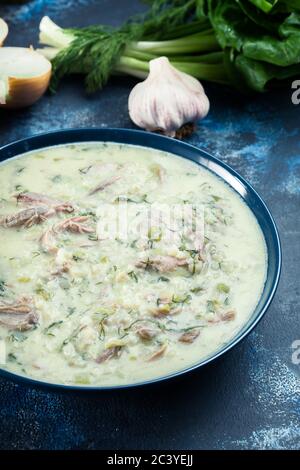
(244, 189)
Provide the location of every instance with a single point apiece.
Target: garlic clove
(167, 100)
(24, 77)
(3, 31)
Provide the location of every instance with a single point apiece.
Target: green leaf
(259, 75)
(231, 25)
(254, 55)
(291, 25)
(264, 5)
(266, 21)
(283, 51)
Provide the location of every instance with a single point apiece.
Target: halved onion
(3, 31)
(24, 76)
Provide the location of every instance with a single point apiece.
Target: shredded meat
(189, 336)
(162, 264)
(165, 306)
(223, 317)
(48, 241)
(228, 316)
(159, 353)
(109, 354)
(104, 184)
(74, 225)
(20, 315)
(64, 268)
(37, 198)
(146, 333)
(27, 217)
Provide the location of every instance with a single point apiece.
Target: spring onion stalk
(138, 68)
(201, 42)
(197, 54)
(186, 29)
(210, 58)
(53, 35)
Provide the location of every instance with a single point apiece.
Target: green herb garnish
(197, 289)
(223, 288)
(163, 279)
(17, 336)
(40, 290)
(93, 237)
(77, 258)
(53, 325)
(133, 276)
(212, 306)
(184, 299)
(56, 178)
(2, 287)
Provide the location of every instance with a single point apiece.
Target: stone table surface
(248, 399)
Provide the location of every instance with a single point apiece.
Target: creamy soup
(120, 264)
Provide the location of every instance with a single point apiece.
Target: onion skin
(3, 31)
(24, 92)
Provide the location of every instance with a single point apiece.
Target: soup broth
(120, 264)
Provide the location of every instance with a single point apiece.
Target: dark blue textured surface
(249, 398)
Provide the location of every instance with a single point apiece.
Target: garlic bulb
(24, 76)
(168, 101)
(3, 31)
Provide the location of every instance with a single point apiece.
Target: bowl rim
(165, 142)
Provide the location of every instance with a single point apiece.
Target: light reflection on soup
(104, 280)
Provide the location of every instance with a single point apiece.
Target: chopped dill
(18, 337)
(47, 331)
(85, 170)
(163, 279)
(133, 276)
(2, 287)
(56, 178)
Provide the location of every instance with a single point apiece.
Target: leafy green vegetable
(249, 44)
(257, 75)
(257, 56)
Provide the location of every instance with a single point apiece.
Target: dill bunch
(95, 50)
